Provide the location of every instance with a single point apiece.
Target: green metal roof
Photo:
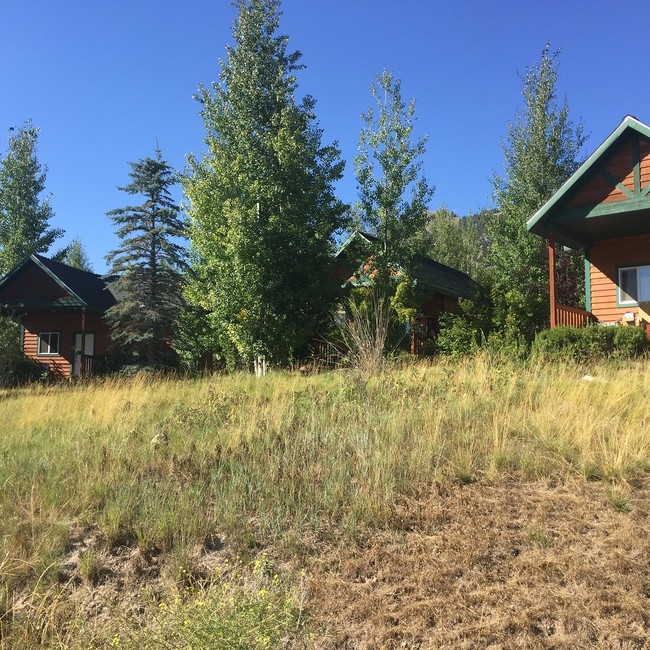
(430, 276)
(577, 227)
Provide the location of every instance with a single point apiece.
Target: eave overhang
(578, 227)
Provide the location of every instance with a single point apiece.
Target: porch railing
(87, 367)
(573, 316)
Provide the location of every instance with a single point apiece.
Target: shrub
(463, 333)
(581, 344)
(457, 337)
(630, 341)
(20, 372)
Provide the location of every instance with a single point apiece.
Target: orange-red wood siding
(67, 324)
(606, 258)
(599, 190)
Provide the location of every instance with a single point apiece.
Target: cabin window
(48, 343)
(633, 285)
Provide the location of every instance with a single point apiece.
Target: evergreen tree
(393, 192)
(148, 264)
(24, 216)
(262, 205)
(75, 255)
(541, 151)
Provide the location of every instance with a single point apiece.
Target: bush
(21, 372)
(582, 344)
(457, 337)
(630, 342)
(463, 333)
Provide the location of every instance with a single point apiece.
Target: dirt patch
(506, 565)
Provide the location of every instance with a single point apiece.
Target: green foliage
(393, 192)
(148, 264)
(393, 197)
(630, 342)
(582, 344)
(464, 332)
(15, 369)
(24, 217)
(459, 242)
(75, 255)
(458, 337)
(262, 204)
(404, 300)
(258, 615)
(200, 346)
(541, 152)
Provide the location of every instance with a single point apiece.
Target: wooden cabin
(604, 210)
(61, 313)
(438, 286)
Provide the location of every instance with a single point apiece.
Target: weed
(538, 537)
(90, 566)
(620, 499)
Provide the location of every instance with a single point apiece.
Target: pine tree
(148, 264)
(262, 205)
(24, 217)
(541, 152)
(75, 255)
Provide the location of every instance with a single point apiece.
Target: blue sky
(104, 79)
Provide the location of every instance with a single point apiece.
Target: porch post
(551, 283)
(82, 365)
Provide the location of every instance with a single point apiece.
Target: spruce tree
(262, 205)
(24, 216)
(148, 264)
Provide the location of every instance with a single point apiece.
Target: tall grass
(165, 464)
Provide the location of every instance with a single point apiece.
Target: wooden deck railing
(573, 316)
(88, 364)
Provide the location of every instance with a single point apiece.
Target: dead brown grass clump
(501, 565)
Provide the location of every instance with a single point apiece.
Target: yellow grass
(162, 465)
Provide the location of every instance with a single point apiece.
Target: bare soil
(501, 565)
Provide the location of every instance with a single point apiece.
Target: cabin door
(89, 351)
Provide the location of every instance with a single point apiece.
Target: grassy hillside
(130, 507)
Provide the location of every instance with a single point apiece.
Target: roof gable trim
(60, 282)
(630, 123)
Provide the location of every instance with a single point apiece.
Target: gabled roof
(356, 236)
(443, 279)
(78, 289)
(576, 223)
(430, 276)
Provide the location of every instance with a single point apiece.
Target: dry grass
(493, 565)
(157, 474)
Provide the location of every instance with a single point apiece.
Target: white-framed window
(48, 343)
(633, 284)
